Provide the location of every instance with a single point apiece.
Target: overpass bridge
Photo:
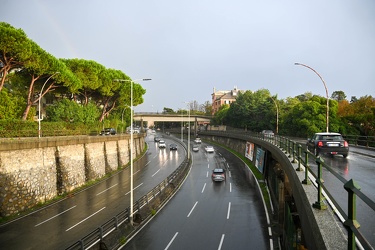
(151, 118)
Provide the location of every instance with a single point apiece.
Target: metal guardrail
(300, 155)
(353, 190)
(96, 236)
(359, 140)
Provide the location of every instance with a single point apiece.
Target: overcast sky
(189, 48)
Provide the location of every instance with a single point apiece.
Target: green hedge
(17, 128)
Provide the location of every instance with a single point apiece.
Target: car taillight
(346, 144)
(320, 144)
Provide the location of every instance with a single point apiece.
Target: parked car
(162, 144)
(209, 149)
(328, 143)
(172, 146)
(218, 174)
(268, 133)
(198, 140)
(195, 148)
(108, 131)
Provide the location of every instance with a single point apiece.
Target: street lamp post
(39, 109)
(182, 125)
(277, 116)
(131, 143)
(325, 86)
(188, 130)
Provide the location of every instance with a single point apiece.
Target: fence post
(101, 232)
(299, 157)
(352, 212)
(82, 244)
(294, 152)
(319, 204)
(306, 180)
(288, 147)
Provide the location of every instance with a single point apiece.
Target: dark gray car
(328, 143)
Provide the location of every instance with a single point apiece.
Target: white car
(209, 149)
(195, 148)
(162, 144)
(268, 133)
(198, 140)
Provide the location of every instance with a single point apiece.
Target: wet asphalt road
(61, 224)
(208, 215)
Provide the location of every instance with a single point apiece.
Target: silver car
(218, 174)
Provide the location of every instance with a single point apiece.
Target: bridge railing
(301, 155)
(360, 140)
(349, 219)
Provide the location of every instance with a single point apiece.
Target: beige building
(222, 97)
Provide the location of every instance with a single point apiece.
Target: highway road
(208, 215)
(65, 222)
(202, 215)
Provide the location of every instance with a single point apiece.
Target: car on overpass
(268, 133)
(108, 131)
(328, 143)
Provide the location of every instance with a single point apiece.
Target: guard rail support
(289, 154)
(306, 181)
(294, 151)
(319, 204)
(299, 157)
(352, 212)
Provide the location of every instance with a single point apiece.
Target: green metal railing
(352, 188)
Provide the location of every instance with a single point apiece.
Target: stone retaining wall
(35, 172)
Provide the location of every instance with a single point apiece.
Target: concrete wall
(35, 171)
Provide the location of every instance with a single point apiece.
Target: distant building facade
(223, 97)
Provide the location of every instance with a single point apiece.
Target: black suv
(108, 131)
(329, 143)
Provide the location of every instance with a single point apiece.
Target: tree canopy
(33, 73)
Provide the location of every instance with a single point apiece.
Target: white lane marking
(147, 163)
(136, 172)
(135, 188)
(221, 241)
(230, 174)
(155, 173)
(106, 189)
(203, 187)
(208, 165)
(170, 243)
(207, 174)
(54, 216)
(192, 209)
(230, 187)
(85, 219)
(228, 210)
